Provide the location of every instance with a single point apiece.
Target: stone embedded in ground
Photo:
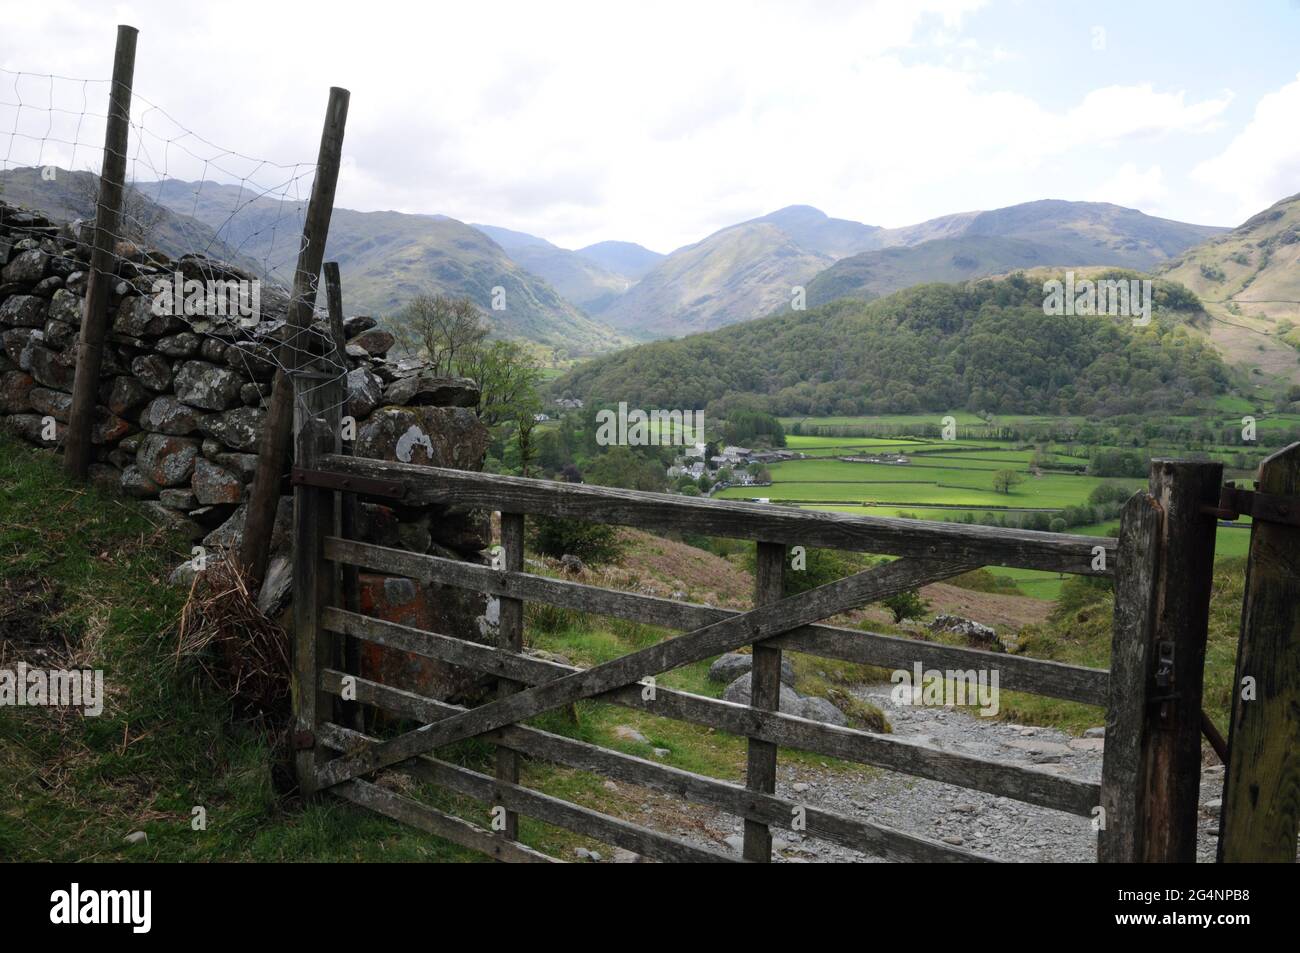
(168, 415)
(365, 391)
(167, 460)
(32, 428)
(277, 589)
(739, 692)
(376, 342)
(153, 371)
(729, 667)
(238, 428)
(431, 436)
(819, 709)
(24, 311)
(182, 500)
(26, 267)
(208, 386)
(172, 520)
(427, 390)
(213, 484)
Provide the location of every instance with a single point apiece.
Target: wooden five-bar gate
(1144, 808)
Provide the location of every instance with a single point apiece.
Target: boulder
(739, 692)
(819, 709)
(60, 335)
(238, 428)
(24, 311)
(358, 323)
(244, 464)
(365, 391)
(26, 267)
(168, 415)
(167, 460)
(153, 371)
(432, 436)
(17, 344)
(376, 342)
(729, 667)
(427, 390)
(975, 633)
(205, 385)
(252, 360)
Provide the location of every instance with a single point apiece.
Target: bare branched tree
(441, 329)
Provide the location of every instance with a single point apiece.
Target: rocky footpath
(999, 827)
(181, 407)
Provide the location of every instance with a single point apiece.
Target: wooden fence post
(764, 692)
(317, 403)
(1122, 822)
(273, 447)
(108, 207)
(1261, 797)
(1173, 763)
(511, 638)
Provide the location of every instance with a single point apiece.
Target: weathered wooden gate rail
(1140, 805)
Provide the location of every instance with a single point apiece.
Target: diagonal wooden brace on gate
(753, 626)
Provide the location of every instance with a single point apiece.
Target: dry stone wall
(181, 407)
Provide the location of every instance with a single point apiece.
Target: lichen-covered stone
(167, 460)
(208, 386)
(238, 428)
(24, 311)
(450, 437)
(427, 390)
(168, 415)
(153, 371)
(213, 484)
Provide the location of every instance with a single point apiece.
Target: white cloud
(1134, 188)
(1262, 164)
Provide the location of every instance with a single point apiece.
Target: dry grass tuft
(244, 654)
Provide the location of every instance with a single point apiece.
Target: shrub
(593, 543)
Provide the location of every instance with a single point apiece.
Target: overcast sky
(661, 122)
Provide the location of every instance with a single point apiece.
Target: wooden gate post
(510, 623)
(764, 692)
(1261, 797)
(273, 447)
(108, 209)
(1184, 489)
(317, 405)
(1122, 821)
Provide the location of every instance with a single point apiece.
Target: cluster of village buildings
(737, 460)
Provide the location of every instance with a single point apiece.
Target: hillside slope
(984, 346)
(1249, 281)
(386, 258)
(976, 244)
(738, 273)
(574, 275)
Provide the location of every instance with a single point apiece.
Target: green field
(945, 480)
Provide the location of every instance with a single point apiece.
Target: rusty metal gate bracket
(1269, 507)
